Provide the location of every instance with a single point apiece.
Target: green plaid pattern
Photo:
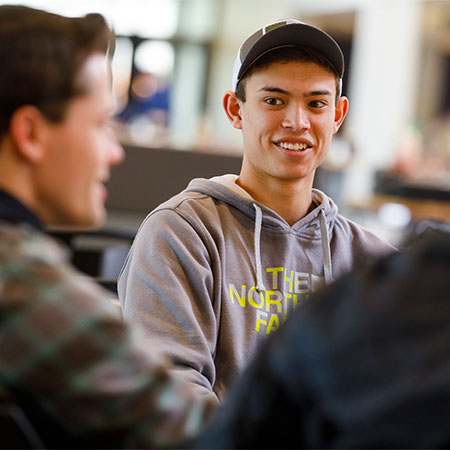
(64, 344)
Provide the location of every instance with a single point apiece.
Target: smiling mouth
(293, 147)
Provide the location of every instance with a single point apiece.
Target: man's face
(79, 154)
(288, 120)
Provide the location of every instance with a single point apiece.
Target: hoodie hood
(317, 224)
(224, 188)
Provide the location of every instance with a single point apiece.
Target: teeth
(295, 147)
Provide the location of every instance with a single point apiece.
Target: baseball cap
(281, 34)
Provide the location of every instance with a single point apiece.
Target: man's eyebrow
(282, 91)
(317, 93)
(273, 89)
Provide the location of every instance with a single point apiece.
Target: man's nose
(296, 118)
(116, 152)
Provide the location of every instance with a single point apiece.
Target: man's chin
(95, 221)
(83, 222)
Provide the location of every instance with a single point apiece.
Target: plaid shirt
(65, 346)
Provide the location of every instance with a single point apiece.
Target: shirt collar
(14, 211)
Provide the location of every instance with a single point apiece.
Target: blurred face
(288, 120)
(79, 153)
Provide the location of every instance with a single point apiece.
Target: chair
(16, 429)
(98, 253)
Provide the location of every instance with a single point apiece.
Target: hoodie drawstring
(257, 246)
(326, 251)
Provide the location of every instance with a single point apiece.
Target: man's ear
(232, 107)
(340, 112)
(28, 130)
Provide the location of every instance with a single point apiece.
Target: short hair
(285, 55)
(41, 55)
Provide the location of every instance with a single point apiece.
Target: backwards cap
(281, 34)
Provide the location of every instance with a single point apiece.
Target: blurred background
(389, 166)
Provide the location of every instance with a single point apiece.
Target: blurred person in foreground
(80, 374)
(364, 364)
(219, 267)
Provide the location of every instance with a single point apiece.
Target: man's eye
(107, 123)
(273, 101)
(317, 104)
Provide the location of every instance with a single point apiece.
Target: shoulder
(187, 204)
(363, 241)
(188, 211)
(37, 269)
(28, 245)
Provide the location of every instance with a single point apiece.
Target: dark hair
(285, 55)
(40, 58)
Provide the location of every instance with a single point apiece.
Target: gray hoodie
(212, 273)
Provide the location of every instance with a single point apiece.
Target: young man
(66, 357)
(366, 364)
(219, 267)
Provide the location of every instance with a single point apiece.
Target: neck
(291, 199)
(15, 179)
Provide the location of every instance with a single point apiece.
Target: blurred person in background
(80, 374)
(219, 267)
